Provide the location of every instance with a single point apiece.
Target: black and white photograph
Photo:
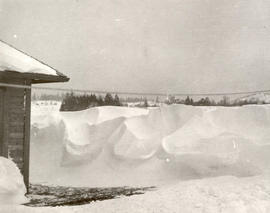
(124, 106)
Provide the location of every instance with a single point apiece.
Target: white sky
(175, 46)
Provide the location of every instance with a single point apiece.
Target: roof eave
(50, 79)
(35, 78)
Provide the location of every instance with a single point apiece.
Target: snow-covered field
(202, 159)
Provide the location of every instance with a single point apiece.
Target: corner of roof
(57, 72)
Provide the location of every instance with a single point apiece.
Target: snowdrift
(112, 146)
(12, 188)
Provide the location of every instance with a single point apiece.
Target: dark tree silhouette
(108, 100)
(116, 101)
(188, 101)
(73, 102)
(145, 103)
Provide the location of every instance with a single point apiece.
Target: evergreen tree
(145, 103)
(225, 101)
(117, 100)
(191, 101)
(108, 100)
(187, 101)
(213, 103)
(157, 100)
(100, 101)
(207, 102)
(171, 99)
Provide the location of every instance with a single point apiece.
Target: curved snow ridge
(135, 139)
(189, 135)
(84, 142)
(172, 142)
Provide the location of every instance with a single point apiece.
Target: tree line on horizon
(206, 101)
(75, 102)
(72, 102)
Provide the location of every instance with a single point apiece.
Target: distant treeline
(225, 101)
(76, 102)
(47, 97)
(72, 102)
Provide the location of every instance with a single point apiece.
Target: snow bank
(12, 188)
(112, 146)
(222, 194)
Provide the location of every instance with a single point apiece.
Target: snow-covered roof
(13, 60)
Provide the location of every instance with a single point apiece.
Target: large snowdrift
(12, 188)
(109, 146)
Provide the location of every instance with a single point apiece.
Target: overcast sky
(174, 46)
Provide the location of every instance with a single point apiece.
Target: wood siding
(2, 121)
(27, 127)
(16, 116)
(15, 105)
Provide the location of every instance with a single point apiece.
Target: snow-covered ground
(202, 159)
(224, 194)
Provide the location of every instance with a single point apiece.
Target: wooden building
(18, 71)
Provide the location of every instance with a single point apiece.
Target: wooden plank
(16, 90)
(5, 123)
(15, 117)
(18, 93)
(16, 141)
(16, 110)
(17, 100)
(17, 104)
(1, 121)
(15, 147)
(6, 80)
(16, 129)
(18, 123)
(26, 153)
(16, 135)
(15, 154)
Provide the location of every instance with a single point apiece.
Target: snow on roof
(12, 59)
